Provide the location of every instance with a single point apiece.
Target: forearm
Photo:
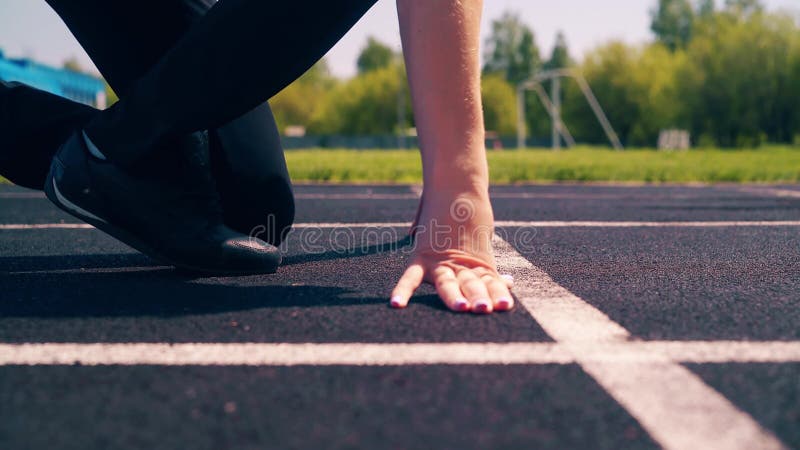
(441, 40)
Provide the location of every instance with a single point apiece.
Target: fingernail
(396, 301)
(482, 306)
(461, 304)
(504, 303)
(507, 277)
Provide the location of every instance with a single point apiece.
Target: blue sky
(30, 28)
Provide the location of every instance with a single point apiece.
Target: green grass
(771, 164)
(767, 164)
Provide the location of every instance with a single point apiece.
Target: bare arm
(441, 40)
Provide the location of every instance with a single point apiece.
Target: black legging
(181, 66)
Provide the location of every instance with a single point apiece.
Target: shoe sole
(59, 199)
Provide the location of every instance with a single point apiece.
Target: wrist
(455, 179)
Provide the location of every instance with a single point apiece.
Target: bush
(499, 105)
(364, 105)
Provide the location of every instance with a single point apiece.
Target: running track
(648, 317)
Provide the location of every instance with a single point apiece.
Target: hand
(453, 252)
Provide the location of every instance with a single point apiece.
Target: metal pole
(401, 117)
(556, 114)
(598, 111)
(521, 117)
(548, 106)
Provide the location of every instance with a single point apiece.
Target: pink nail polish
(482, 306)
(504, 303)
(396, 302)
(461, 304)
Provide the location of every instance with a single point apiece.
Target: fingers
(508, 279)
(406, 286)
(474, 288)
(447, 287)
(499, 292)
(477, 289)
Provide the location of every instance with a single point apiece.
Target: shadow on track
(119, 285)
(153, 293)
(137, 260)
(366, 250)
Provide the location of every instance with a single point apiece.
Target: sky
(29, 27)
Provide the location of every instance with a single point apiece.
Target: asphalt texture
(661, 283)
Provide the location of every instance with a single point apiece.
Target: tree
(744, 8)
(636, 88)
(672, 23)
(299, 102)
(511, 49)
(111, 96)
(364, 105)
(705, 8)
(559, 58)
(73, 65)
(374, 56)
(738, 86)
(499, 105)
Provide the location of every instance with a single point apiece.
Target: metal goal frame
(553, 107)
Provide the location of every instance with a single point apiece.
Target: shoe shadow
(129, 285)
(13, 265)
(154, 293)
(16, 264)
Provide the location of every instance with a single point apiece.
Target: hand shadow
(364, 250)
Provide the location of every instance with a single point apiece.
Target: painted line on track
(362, 354)
(45, 226)
(770, 192)
(639, 224)
(414, 194)
(674, 405)
(22, 195)
(500, 223)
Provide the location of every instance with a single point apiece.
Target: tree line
(729, 74)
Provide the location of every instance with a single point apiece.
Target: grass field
(767, 164)
(772, 164)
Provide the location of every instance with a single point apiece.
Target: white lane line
(96, 270)
(365, 196)
(15, 195)
(352, 225)
(359, 354)
(282, 354)
(771, 192)
(414, 194)
(45, 226)
(500, 223)
(639, 224)
(572, 224)
(84, 226)
(674, 405)
(705, 352)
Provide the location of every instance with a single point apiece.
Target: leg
(33, 124)
(251, 175)
(233, 59)
(249, 167)
(124, 45)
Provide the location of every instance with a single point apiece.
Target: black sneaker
(176, 219)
